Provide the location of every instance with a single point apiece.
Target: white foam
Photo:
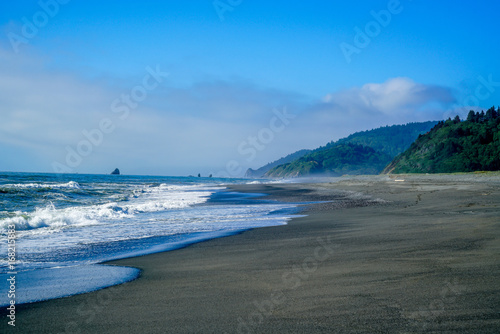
(51, 217)
(68, 185)
(165, 197)
(150, 199)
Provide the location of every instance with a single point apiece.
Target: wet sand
(405, 254)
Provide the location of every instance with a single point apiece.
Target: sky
(215, 87)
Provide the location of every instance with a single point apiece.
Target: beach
(398, 254)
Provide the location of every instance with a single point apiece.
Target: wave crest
(148, 200)
(67, 185)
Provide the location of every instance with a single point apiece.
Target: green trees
(366, 152)
(391, 140)
(336, 160)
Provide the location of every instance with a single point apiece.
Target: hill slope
(391, 140)
(454, 146)
(335, 160)
(366, 152)
(264, 169)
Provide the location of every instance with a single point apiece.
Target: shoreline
(421, 256)
(60, 281)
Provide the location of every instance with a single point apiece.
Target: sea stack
(115, 172)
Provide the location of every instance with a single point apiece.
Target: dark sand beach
(405, 254)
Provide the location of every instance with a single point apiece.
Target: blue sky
(232, 66)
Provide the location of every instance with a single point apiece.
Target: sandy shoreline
(387, 256)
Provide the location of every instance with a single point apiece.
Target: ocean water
(66, 224)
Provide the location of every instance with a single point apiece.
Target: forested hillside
(257, 173)
(366, 152)
(336, 160)
(455, 146)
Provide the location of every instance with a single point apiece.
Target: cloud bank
(172, 130)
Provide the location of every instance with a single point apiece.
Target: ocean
(64, 225)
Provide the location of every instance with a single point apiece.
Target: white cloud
(395, 96)
(396, 101)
